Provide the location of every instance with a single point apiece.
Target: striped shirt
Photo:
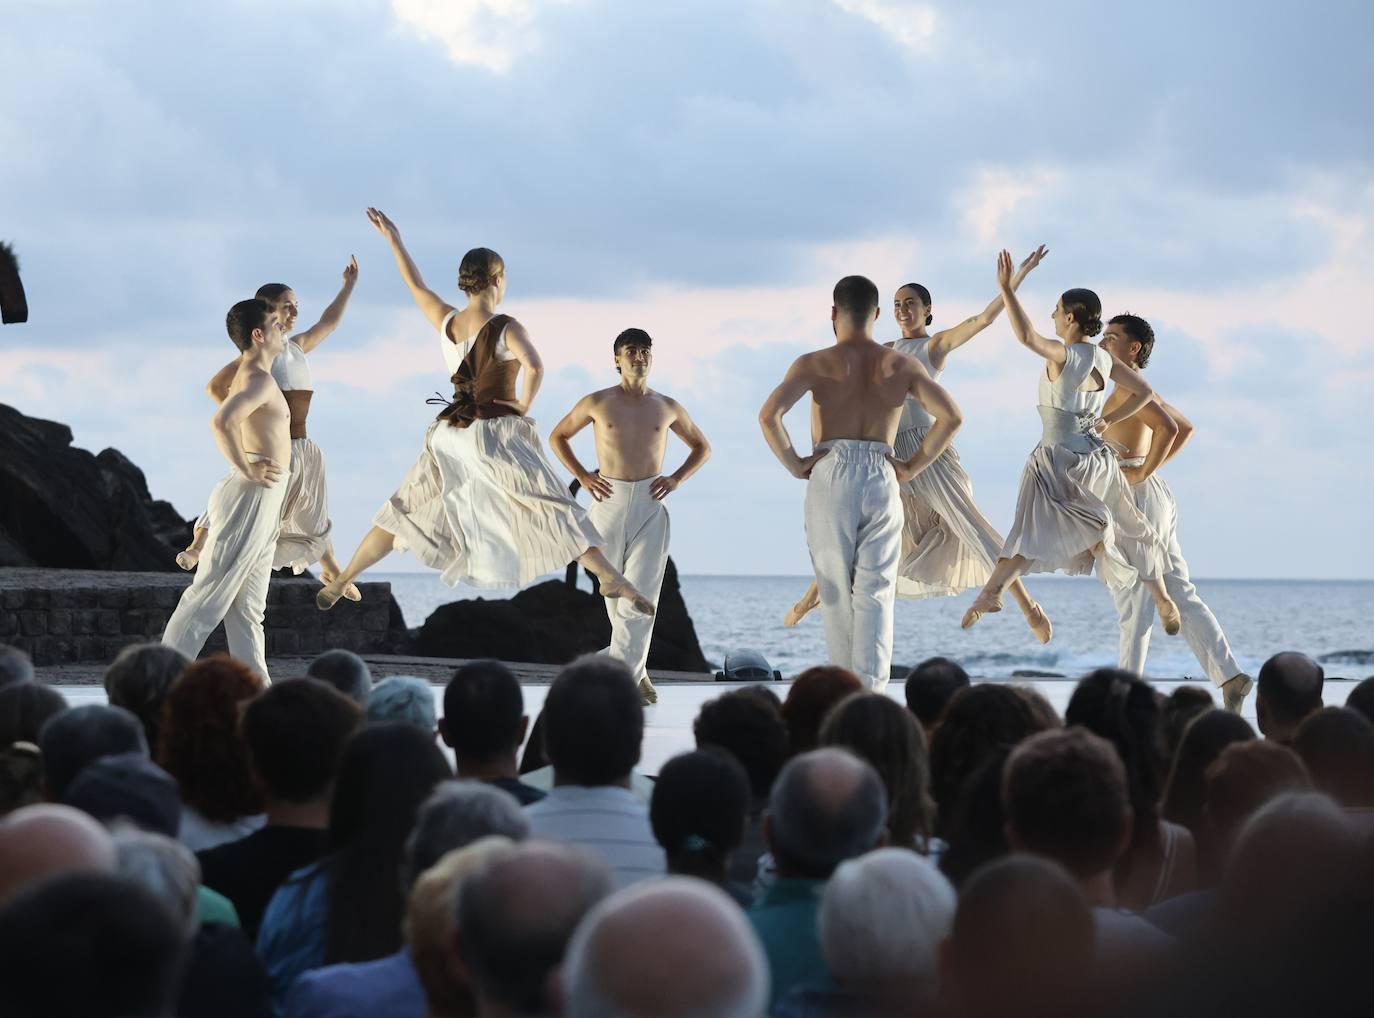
(609, 821)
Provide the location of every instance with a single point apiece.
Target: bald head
(826, 806)
(1290, 688)
(516, 916)
(47, 839)
(672, 948)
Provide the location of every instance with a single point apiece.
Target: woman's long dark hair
(1206, 736)
(388, 770)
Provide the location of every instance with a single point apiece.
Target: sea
(1333, 620)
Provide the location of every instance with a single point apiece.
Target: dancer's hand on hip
(805, 464)
(597, 486)
(264, 472)
(384, 225)
(902, 469)
(662, 487)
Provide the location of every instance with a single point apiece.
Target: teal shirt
(213, 907)
(785, 920)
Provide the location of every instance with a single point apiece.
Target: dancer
(948, 545)
(481, 504)
(252, 429)
(306, 526)
(1144, 447)
(853, 505)
(1075, 507)
(630, 423)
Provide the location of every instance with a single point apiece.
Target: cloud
(911, 25)
(486, 33)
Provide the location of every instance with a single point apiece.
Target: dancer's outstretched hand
(1004, 269)
(805, 464)
(1032, 260)
(384, 225)
(264, 472)
(662, 487)
(350, 273)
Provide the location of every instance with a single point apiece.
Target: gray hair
(138, 679)
(165, 867)
(818, 828)
(15, 666)
(346, 672)
(406, 699)
(456, 814)
(883, 917)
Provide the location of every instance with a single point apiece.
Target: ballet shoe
(1234, 691)
(350, 593)
(798, 612)
(188, 559)
(625, 589)
(983, 604)
(648, 695)
(1169, 615)
(1039, 622)
(325, 599)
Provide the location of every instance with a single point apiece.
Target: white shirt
(608, 821)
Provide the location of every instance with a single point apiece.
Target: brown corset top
(482, 379)
(298, 401)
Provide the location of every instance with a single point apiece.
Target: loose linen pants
(1136, 609)
(854, 533)
(634, 532)
(235, 570)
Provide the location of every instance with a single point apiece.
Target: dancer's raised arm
(329, 321)
(795, 385)
(946, 341)
(434, 307)
(941, 406)
(1050, 349)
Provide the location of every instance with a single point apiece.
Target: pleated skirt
(305, 524)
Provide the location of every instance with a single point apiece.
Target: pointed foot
(1169, 615)
(1234, 691)
(1039, 622)
(648, 695)
(624, 588)
(798, 612)
(983, 604)
(327, 598)
(188, 559)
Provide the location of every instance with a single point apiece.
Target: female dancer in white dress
(482, 504)
(948, 545)
(1075, 507)
(304, 538)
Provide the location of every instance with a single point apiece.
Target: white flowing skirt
(483, 506)
(305, 524)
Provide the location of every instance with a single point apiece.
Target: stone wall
(63, 616)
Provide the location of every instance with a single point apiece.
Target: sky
(706, 170)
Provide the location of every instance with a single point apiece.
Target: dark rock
(1035, 673)
(1348, 657)
(14, 307)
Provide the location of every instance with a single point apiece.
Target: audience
(15, 666)
(346, 672)
(826, 806)
(1161, 860)
(674, 948)
(1290, 688)
(1360, 700)
(747, 724)
(41, 841)
(876, 729)
(515, 918)
(698, 814)
(1242, 779)
(976, 831)
(405, 699)
(1178, 711)
(929, 688)
(593, 727)
(1185, 789)
(199, 745)
(484, 723)
(21, 776)
(25, 708)
(294, 735)
(127, 786)
(73, 738)
(138, 680)
(809, 700)
(1337, 745)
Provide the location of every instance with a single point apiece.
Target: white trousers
(1136, 609)
(854, 534)
(231, 581)
(634, 532)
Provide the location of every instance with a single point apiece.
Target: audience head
(295, 734)
(138, 680)
(46, 839)
(976, 722)
(930, 686)
(25, 708)
(15, 666)
(346, 672)
(73, 738)
(881, 923)
(456, 814)
(1185, 790)
(515, 917)
(1361, 699)
(128, 946)
(1046, 717)
(1066, 798)
(534, 758)
(406, 699)
(484, 714)
(1178, 711)
(1022, 943)
(1123, 709)
(131, 787)
(1289, 689)
(698, 812)
(877, 729)
(1241, 780)
(387, 771)
(809, 700)
(748, 726)
(1337, 745)
(21, 776)
(200, 744)
(163, 866)
(976, 828)
(826, 806)
(593, 722)
(672, 948)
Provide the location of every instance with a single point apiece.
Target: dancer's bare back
(859, 389)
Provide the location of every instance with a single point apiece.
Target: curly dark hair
(813, 693)
(199, 742)
(746, 725)
(1139, 330)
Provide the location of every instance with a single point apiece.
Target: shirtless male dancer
(1139, 439)
(853, 504)
(631, 422)
(252, 429)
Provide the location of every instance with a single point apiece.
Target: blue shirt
(784, 917)
(387, 987)
(291, 937)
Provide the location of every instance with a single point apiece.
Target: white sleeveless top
(454, 353)
(1065, 392)
(291, 369)
(913, 414)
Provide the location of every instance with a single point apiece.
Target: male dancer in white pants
(1131, 340)
(853, 507)
(252, 428)
(631, 422)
